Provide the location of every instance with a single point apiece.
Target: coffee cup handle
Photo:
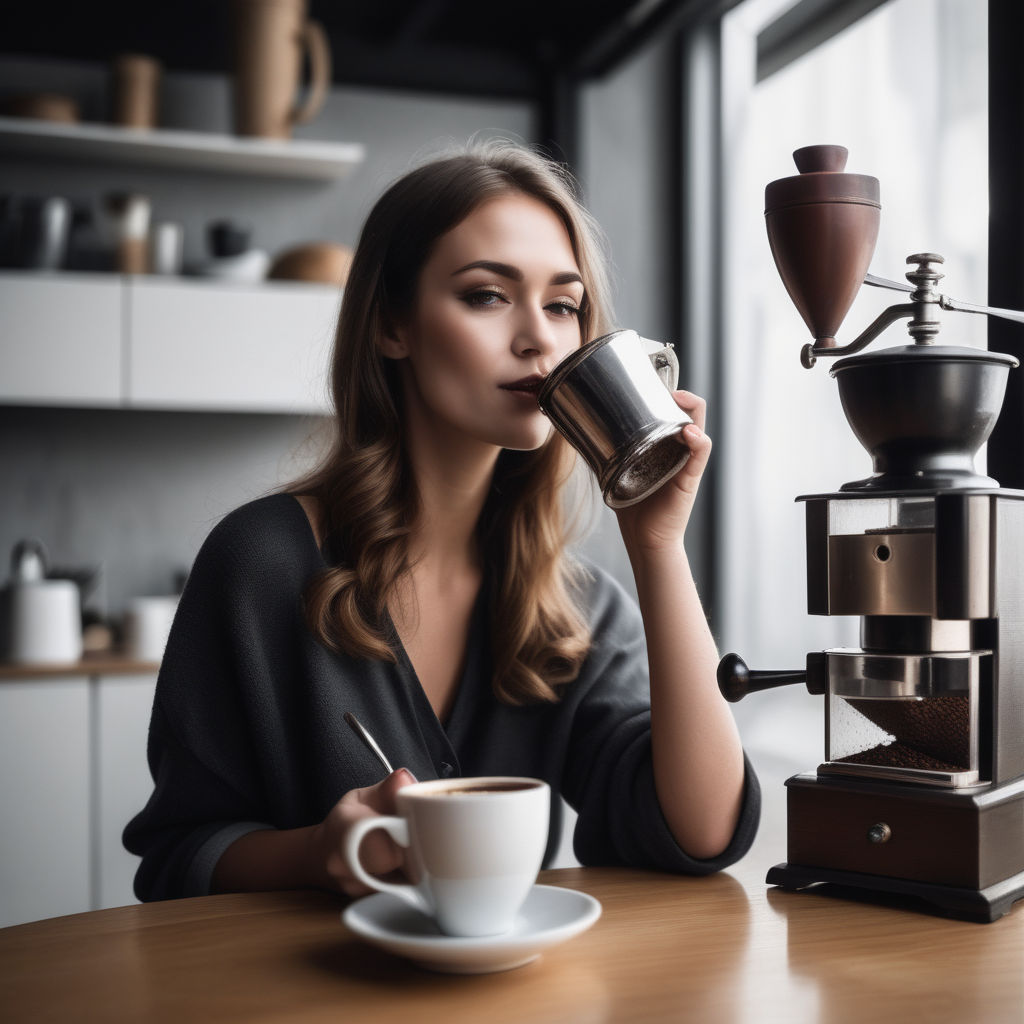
(398, 829)
(318, 50)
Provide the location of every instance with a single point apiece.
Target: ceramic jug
(271, 38)
(45, 614)
(135, 80)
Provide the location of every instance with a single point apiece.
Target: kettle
(45, 614)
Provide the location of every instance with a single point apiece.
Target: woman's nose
(534, 334)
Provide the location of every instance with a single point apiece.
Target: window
(904, 88)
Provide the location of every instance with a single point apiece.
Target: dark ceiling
(462, 46)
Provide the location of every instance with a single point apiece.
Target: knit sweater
(247, 729)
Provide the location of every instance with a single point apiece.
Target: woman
(419, 578)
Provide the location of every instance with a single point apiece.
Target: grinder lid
(821, 180)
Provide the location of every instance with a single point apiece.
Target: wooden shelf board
(287, 158)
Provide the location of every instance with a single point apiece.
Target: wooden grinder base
(956, 853)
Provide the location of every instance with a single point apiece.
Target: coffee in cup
(475, 846)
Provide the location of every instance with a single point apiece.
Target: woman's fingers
(693, 405)
(700, 451)
(381, 797)
(379, 854)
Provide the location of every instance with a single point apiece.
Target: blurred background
(174, 247)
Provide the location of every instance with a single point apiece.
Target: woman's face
(497, 306)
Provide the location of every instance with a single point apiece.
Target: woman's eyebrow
(514, 273)
(568, 277)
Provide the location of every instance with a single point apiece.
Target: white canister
(46, 622)
(148, 624)
(166, 248)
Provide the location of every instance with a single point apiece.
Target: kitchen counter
(99, 663)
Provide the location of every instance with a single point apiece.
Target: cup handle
(315, 42)
(398, 829)
(663, 359)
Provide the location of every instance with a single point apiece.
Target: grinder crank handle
(968, 307)
(948, 302)
(735, 680)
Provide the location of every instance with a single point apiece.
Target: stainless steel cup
(611, 400)
(44, 232)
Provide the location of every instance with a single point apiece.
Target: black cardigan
(247, 729)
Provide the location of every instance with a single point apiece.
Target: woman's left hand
(660, 520)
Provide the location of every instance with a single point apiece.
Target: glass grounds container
(905, 704)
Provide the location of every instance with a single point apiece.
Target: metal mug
(43, 239)
(611, 400)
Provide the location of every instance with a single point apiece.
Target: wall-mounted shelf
(280, 158)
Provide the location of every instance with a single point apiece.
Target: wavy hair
(365, 486)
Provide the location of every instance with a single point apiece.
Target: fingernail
(407, 776)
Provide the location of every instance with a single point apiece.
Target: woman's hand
(378, 852)
(660, 520)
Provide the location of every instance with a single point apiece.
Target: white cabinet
(72, 774)
(123, 783)
(198, 345)
(45, 796)
(109, 341)
(60, 339)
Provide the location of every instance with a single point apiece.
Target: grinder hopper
(822, 228)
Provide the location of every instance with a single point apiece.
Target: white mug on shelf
(148, 624)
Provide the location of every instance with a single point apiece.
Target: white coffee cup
(148, 625)
(475, 846)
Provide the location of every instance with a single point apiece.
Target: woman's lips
(527, 386)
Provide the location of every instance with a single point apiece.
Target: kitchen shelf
(281, 158)
(100, 663)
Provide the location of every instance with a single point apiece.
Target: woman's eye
(483, 298)
(564, 308)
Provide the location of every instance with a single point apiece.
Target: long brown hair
(365, 487)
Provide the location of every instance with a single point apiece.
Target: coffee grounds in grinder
(936, 729)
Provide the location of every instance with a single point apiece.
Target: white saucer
(550, 915)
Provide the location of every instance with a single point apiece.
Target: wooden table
(718, 949)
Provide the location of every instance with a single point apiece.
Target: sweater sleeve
(207, 773)
(609, 770)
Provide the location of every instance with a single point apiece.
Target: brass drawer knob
(879, 833)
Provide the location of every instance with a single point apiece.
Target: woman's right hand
(378, 853)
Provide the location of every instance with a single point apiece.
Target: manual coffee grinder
(922, 790)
